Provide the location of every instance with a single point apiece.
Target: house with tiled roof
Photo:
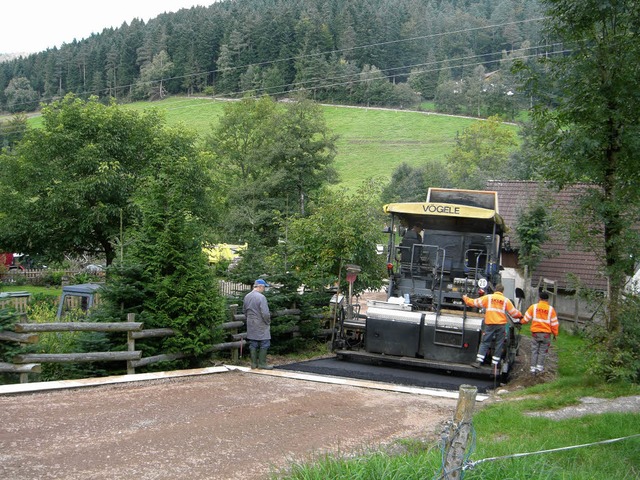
(566, 266)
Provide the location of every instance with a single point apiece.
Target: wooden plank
(18, 337)
(232, 325)
(279, 313)
(79, 327)
(290, 311)
(26, 368)
(169, 357)
(76, 357)
(152, 332)
(226, 346)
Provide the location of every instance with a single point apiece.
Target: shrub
(615, 356)
(53, 278)
(8, 317)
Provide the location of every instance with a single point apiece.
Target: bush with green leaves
(295, 333)
(614, 355)
(43, 310)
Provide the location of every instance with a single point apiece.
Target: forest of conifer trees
(373, 52)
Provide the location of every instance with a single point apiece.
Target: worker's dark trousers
(539, 349)
(491, 331)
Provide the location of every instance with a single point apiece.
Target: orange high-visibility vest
(543, 317)
(495, 305)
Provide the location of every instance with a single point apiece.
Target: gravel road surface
(234, 425)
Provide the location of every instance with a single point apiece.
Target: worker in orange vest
(544, 324)
(496, 307)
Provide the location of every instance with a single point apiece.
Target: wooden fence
(23, 276)
(15, 300)
(232, 289)
(26, 333)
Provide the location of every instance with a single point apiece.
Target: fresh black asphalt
(390, 374)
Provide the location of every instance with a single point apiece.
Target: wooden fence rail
(76, 357)
(78, 327)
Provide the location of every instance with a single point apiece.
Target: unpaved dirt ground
(232, 425)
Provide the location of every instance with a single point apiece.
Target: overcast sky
(32, 26)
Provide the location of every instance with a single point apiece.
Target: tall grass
(504, 428)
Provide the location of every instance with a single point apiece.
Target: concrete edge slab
(92, 382)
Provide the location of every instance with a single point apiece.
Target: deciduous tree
(481, 154)
(342, 229)
(70, 184)
(153, 76)
(589, 129)
(20, 95)
(274, 158)
(410, 184)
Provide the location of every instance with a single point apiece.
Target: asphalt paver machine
(437, 251)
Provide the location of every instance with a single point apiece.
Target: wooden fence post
(131, 344)
(235, 352)
(459, 431)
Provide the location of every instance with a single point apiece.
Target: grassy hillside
(372, 142)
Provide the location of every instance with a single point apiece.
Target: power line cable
(389, 42)
(300, 86)
(377, 76)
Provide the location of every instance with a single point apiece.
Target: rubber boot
(262, 360)
(254, 357)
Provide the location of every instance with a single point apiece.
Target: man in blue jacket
(256, 311)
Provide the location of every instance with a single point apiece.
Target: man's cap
(544, 295)
(260, 283)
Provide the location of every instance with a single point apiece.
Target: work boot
(262, 360)
(254, 357)
(475, 364)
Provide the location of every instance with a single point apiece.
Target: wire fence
(452, 431)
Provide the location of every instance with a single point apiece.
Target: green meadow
(372, 141)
